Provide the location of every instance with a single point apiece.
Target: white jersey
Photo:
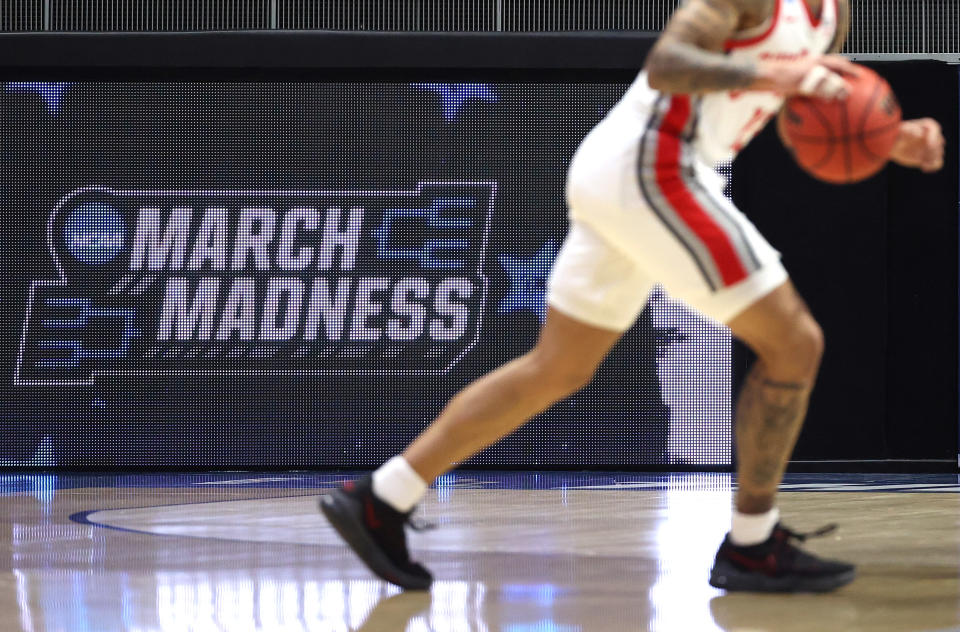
(647, 207)
(724, 122)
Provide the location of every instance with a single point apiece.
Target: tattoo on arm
(683, 68)
(689, 57)
(843, 26)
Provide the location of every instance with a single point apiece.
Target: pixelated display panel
(227, 275)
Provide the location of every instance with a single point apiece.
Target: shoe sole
(335, 506)
(733, 580)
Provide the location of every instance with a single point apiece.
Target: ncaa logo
(94, 233)
(287, 283)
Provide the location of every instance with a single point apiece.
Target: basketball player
(645, 207)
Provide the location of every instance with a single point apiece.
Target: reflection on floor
(517, 552)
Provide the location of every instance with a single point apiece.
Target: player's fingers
(840, 65)
(935, 160)
(934, 144)
(932, 156)
(931, 131)
(812, 79)
(935, 133)
(823, 83)
(926, 136)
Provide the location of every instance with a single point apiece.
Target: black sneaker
(778, 566)
(375, 532)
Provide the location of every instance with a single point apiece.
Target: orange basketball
(844, 141)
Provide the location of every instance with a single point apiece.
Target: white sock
(398, 485)
(750, 529)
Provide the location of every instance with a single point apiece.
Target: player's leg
(758, 554)
(742, 282)
(788, 343)
(595, 294)
(562, 362)
(370, 514)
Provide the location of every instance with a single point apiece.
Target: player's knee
(562, 377)
(812, 341)
(817, 341)
(798, 352)
(567, 383)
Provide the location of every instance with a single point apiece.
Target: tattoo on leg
(785, 385)
(768, 420)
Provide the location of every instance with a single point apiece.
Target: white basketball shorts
(645, 209)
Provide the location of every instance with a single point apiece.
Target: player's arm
(920, 144)
(689, 57)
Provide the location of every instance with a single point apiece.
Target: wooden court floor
(511, 552)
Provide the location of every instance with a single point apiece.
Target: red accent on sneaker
(766, 565)
(372, 521)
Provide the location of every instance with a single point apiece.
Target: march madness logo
(247, 282)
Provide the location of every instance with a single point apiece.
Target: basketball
(844, 141)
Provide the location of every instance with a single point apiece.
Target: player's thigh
(694, 240)
(570, 350)
(595, 293)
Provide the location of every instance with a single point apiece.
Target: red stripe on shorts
(683, 201)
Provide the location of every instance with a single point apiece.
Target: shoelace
(803, 537)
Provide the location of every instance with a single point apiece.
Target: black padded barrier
(299, 50)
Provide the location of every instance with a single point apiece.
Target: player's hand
(820, 77)
(920, 144)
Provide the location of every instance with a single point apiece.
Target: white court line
(866, 487)
(645, 485)
(243, 481)
(825, 487)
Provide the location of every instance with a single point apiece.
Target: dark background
(877, 262)
(310, 136)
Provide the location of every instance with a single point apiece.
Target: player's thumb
(823, 83)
